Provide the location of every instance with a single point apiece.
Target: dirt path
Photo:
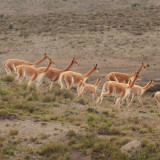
(28, 128)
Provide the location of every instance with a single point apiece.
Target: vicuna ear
(142, 63)
(96, 65)
(45, 54)
(72, 58)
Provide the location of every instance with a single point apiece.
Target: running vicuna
(10, 64)
(31, 73)
(137, 90)
(90, 87)
(157, 98)
(53, 74)
(124, 77)
(118, 90)
(74, 78)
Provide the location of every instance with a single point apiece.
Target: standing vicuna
(157, 98)
(90, 87)
(33, 74)
(10, 64)
(74, 78)
(53, 74)
(137, 90)
(118, 90)
(124, 77)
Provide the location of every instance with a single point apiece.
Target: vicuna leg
(9, 68)
(82, 92)
(61, 84)
(78, 89)
(51, 85)
(20, 76)
(93, 97)
(102, 95)
(131, 101)
(29, 83)
(158, 104)
(140, 100)
(118, 102)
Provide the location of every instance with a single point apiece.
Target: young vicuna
(90, 87)
(157, 98)
(53, 74)
(138, 91)
(124, 77)
(10, 64)
(74, 78)
(33, 74)
(118, 90)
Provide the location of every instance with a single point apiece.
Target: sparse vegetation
(54, 124)
(55, 150)
(13, 132)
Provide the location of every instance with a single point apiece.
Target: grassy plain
(48, 125)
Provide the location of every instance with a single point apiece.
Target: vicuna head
(52, 61)
(144, 66)
(74, 61)
(96, 68)
(152, 82)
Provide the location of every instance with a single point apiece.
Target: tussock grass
(55, 150)
(8, 78)
(104, 129)
(13, 132)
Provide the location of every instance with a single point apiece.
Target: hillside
(118, 35)
(37, 7)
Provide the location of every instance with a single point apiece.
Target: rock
(154, 88)
(92, 110)
(81, 101)
(9, 116)
(103, 131)
(131, 147)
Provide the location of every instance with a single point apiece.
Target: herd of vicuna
(119, 85)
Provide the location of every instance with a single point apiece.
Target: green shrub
(3, 92)
(71, 133)
(8, 151)
(114, 131)
(55, 150)
(48, 98)
(104, 151)
(3, 113)
(8, 78)
(13, 132)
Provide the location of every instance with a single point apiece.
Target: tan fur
(74, 78)
(90, 87)
(157, 98)
(10, 64)
(138, 91)
(123, 77)
(118, 90)
(53, 74)
(31, 73)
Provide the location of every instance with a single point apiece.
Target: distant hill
(51, 6)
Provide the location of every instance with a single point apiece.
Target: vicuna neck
(140, 69)
(133, 75)
(147, 86)
(40, 61)
(133, 82)
(97, 82)
(48, 67)
(89, 73)
(68, 67)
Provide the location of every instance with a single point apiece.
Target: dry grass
(118, 39)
